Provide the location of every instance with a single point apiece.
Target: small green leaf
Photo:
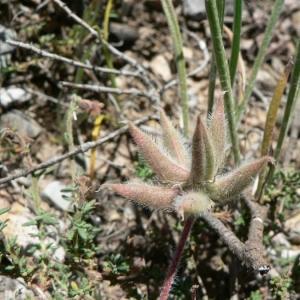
(45, 171)
(28, 193)
(49, 219)
(68, 138)
(12, 241)
(32, 250)
(68, 198)
(69, 189)
(4, 210)
(82, 233)
(30, 223)
(123, 268)
(89, 205)
(53, 247)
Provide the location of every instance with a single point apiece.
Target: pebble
(53, 193)
(24, 125)
(13, 95)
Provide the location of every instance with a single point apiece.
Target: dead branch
(70, 61)
(249, 253)
(81, 149)
(154, 95)
(104, 89)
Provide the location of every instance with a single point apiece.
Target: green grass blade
(213, 67)
(212, 85)
(260, 56)
(237, 26)
(222, 66)
(180, 62)
(107, 54)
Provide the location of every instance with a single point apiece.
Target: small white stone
(13, 94)
(53, 193)
(160, 67)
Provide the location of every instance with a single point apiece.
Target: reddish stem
(176, 259)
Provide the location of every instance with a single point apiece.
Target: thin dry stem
(154, 96)
(70, 61)
(83, 148)
(104, 89)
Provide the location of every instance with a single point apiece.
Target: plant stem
(222, 65)
(176, 259)
(213, 67)
(237, 25)
(260, 56)
(180, 61)
(35, 194)
(69, 135)
(106, 51)
(211, 85)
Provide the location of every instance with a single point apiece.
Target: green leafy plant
(115, 265)
(280, 286)
(142, 170)
(39, 267)
(256, 296)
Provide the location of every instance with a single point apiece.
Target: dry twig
(95, 88)
(70, 61)
(249, 253)
(153, 94)
(81, 149)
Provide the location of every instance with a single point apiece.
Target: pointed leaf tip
(230, 186)
(202, 156)
(167, 170)
(172, 139)
(217, 130)
(151, 196)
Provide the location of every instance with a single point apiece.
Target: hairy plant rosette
(189, 180)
